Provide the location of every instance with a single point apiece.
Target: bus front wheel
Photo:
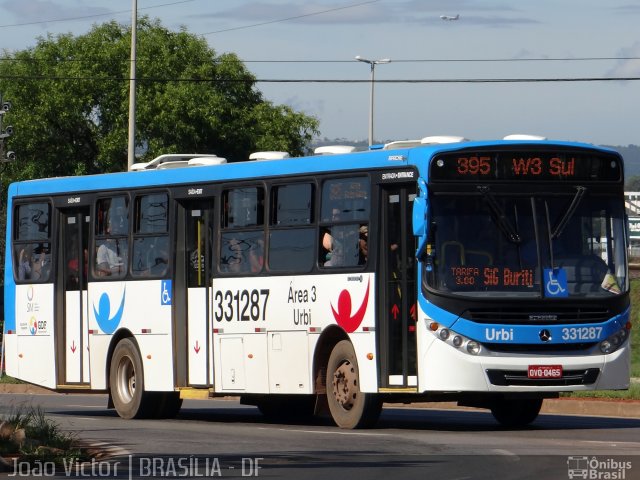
(127, 382)
(515, 413)
(349, 407)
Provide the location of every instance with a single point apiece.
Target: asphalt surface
(562, 406)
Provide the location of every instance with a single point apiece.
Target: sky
(431, 86)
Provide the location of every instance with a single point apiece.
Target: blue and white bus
(489, 273)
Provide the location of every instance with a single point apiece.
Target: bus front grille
(505, 378)
(531, 316)
(544, 348)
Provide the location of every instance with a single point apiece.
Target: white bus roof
(434, 139)
(176, 160)
(334, 149)
(523, 136)
(268, 155)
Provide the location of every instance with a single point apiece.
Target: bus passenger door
(73, 334)
(197, 220)
(398, 289)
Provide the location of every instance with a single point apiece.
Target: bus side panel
(141, 308)
(292, 311)
(11, 354)
(98, 349)
(364, 344)
(36, 356)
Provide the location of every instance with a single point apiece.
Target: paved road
(218, 438)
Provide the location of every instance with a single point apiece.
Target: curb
(562, 406)
(24, 388)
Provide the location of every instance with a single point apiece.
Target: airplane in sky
(449, 17)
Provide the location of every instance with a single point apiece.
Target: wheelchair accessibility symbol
(165, 294)
(555, 282)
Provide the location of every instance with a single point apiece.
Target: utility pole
(132, 86)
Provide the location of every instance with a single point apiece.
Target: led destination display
(482, 166)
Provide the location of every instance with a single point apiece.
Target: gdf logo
(33, 326)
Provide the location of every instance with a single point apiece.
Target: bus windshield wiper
(560, 226)
(500, 217)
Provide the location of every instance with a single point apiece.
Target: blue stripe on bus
(9, 283)
(530, 334)
(418, 156)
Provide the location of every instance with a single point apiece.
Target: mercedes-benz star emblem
(545, 335)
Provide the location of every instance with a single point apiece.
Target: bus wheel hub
(344, 385)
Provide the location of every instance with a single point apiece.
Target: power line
(423, 60)
(324, 80)
(96, 15)
(461, 60)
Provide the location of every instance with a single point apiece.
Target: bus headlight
(473, 347)
(614, 342)
(456, 340)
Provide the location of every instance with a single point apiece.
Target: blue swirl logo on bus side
(106, 324)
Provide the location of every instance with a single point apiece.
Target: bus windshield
(539, 245)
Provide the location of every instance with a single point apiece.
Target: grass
(8, 379)
(31, 436)
(635, 330)
(632, 394)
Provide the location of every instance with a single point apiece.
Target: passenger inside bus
(363, 244)
(24, 264)
(107, 259)
(41, 265)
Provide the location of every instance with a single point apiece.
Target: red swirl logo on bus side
(343, 315)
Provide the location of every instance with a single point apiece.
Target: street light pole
(372, 64)
(132, 86)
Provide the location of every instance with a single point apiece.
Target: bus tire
(515, 413)
(349, 407)
(126, 381)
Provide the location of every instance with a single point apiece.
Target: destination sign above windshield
(482, 166)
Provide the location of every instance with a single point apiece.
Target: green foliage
(41, 439)
(635, 329)
(632, 184)
(632, 394)
(9, 380)
(70, 99)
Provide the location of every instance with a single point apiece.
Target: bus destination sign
(481, 166)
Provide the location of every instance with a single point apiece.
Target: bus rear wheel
(515, 413)
(126, 382)
(349, 407)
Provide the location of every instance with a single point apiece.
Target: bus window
(344, 228)
(349, 198)
(31, 247)
(243, 207)
(151, 236)
(242, 240)
(292, 205)
(292, 239)
(112, 244)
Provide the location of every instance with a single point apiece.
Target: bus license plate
(544, 371)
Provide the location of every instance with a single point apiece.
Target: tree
(70, 102)
(632, 184)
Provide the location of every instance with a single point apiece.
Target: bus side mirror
(420, 218)
(420, 210)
